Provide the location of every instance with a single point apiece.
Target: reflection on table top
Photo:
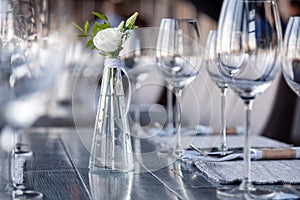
(59, 170)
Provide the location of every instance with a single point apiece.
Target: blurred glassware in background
(138, 57)
(3, 174)
(291, 56)
(81, 66)
(19, 33)
(87, 68)
(30, 64)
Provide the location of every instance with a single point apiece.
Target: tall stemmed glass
(291, 58)
(179, 56)
(212, 69)
(248, 50)
(291, 55)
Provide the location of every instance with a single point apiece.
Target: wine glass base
(237, 193)
(23, 150)
(178, 152)
(27, 194)
(223, 148)
(23, 153)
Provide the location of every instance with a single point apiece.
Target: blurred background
(276, 112)
(151, 11)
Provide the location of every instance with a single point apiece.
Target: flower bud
(121, 26)
(131, 20)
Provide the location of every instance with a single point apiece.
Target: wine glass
(213, 72)
(248, 51)
(15, 30)
(138, 57)
(179, 57)
(169, 127)
(291, 58)
(291, 55)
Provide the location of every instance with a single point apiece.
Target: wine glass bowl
(211, 61)
(180, 74)
(252, 73)
(249, 53)
(178, 71)
(291, 55)
(179, 52)
(230, 52)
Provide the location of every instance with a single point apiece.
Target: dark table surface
(59, 169)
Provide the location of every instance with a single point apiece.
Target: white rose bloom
(108, 40)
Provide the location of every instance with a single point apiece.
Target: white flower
(108, 40)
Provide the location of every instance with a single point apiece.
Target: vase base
(101, 169)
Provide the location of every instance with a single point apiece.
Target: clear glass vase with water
(111, 146)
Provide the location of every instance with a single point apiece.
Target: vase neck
(113, 62)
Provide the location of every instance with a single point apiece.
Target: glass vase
(111, 146)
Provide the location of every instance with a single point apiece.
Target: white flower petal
(108, 40)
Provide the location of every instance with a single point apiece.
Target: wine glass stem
(246, 183)
(11, 171)
(178, 93)
(19, 138)
(223, 119)
(170, 108)
(137, 116)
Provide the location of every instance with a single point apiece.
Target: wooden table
(59, 170)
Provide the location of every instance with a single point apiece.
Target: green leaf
(89, 43)
(101, 16)
(77, 26)
(94, 47)
(99, 27)
(95, 28)
(86, 26)
(83, 35)
(107, 22)
(103, 26)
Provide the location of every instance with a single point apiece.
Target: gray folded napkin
(262, 172)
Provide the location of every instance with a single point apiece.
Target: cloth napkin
(262, 171)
